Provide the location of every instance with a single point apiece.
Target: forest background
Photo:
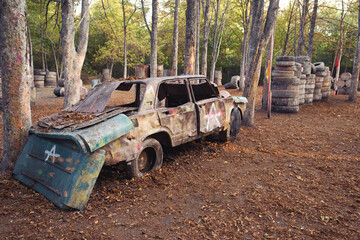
(105, 48)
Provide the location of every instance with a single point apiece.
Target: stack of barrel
(304, 86)
(50, 79)
(39, 78)
(319, 80)
(285, 85)
(325, 90)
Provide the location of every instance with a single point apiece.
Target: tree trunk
(197, 60)
(245, 44)
(215, 29)
(288, 30)
(125, 46)
(356, 66)
(267, 77)
(175, 39)
(190, 50)
(340, 45)
(304, 12)
(259, 37)
(206, 33)
(312, 30)
(217, 37)
(73, 59)
(153, 55)
(15, 80)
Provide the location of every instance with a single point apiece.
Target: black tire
(235, 123)
(285, 58)
(233, 129)
(150, 157)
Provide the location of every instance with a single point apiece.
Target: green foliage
(106, 34)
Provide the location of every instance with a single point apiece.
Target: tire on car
(150, 157)
(234, 127)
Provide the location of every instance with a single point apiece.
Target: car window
(202, 89)
(172, 93)
(127, 95)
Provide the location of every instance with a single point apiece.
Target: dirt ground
(294, 176)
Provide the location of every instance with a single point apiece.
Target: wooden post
(268, 72)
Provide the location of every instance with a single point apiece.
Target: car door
(176, 111)
(211, 108)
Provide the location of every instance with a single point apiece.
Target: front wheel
(234, 127)
(150, 157)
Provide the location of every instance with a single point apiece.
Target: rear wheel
(150, 157)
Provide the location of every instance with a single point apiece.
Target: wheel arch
(162, 137)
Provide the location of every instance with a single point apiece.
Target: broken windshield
(110, 95)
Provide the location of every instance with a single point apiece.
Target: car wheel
(150, 157)
(235, 123)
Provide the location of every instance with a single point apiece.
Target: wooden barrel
(39, 81)
(142, 71)
(160, 71)
(105, 75)
(218, 78)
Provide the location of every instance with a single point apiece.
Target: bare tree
(304, 12)
(312, 30)
(340, 44)
(197, 60)
(14, 52)
(125, 24)
(217, 36)
(175, 38)
(206, 33)
(356, 66)
(153, 36)
(73, 60)
(259, 37)
(288, 28)
(190, 48)
(267, 76)
(245, 43)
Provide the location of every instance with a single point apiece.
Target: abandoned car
(67, 150)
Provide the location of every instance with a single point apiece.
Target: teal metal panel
(240, 99)
(59, 170)
(100, 134)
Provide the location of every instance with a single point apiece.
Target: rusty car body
(67, 150)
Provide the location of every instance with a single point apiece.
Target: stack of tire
(306, 70)
(60, 90)
(39, 78)
(285, 86)
(50, 79)
(302, 82)
(309, 88)
(344, 83)
(319, 79)
(325, 90)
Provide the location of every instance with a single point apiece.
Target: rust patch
(51, 174)
(69, 160)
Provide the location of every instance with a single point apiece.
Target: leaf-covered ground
(294, 176)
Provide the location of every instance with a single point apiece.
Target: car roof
(160, 79)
